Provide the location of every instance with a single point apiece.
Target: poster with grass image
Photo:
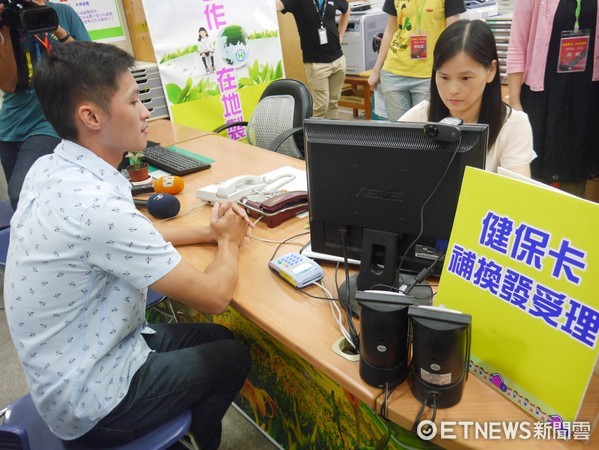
(215, 58)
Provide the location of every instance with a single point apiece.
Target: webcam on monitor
(445, 131)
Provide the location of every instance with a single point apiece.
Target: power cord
(355, 337)
(185, 213)
(270, 241)
(422, 275)
(417, 238)
(387, 392)
(432, 395)
(285, 241)
(337, 316)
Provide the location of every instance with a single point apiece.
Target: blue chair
(24, 429)
(6, 210)
(4, 238)
(154, 299)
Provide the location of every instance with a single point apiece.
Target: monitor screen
(368, 182)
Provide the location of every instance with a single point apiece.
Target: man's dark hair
(75, 72)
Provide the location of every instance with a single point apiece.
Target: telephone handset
(275, 208)
(237, 187)
(241, 185)
(284, 200)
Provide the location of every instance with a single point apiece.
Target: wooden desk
(168, 133)
(305, 327)
(359, 98)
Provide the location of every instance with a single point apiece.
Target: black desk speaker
(383, 338)
(440, 354)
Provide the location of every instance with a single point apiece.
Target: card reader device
(296, 269)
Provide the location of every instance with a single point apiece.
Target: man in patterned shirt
(81, 259)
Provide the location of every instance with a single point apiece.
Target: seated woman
(465, 84)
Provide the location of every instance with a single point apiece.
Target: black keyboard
(171, 161)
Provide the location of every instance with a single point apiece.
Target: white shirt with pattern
(80, 260)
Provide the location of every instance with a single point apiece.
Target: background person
(8, 66)
(206, 49)
(320, 40)
(466, 84)
(559, 92)
(93, 367)
(404, 63)
(25, 134)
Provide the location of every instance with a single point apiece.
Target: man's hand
(227, 223)
(238, 210)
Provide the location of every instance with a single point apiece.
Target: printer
(357, 44)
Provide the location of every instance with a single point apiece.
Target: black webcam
(446, 130)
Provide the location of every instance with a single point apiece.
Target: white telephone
(237, 187)
(243, 184)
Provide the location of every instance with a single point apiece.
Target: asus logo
(380, 194)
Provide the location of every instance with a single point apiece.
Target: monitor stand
(382, 277)
(422, 292)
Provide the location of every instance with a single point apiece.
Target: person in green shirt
(25, 134)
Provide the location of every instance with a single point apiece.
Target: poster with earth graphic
(215, 57)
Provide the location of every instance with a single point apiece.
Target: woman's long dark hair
(476, 39)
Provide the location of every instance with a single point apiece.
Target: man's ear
(89, 116)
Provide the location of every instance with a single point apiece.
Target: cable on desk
(269, 241)
(384, 440)
(417, 238)
(349, 317)
(387, 392)
(185, 213)
(355, 337)
(432, 395)
(337, 315)
(396, 289)
(317, 297)
(286, 241)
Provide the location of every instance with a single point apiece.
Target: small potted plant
(137, 169)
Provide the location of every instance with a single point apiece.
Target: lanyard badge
(419, 40)
(418, 46)
(322, 31)
(573, 51)
(322, 35)
(573, 48)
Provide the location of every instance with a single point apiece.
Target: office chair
(154, 299)
(6, 212)
(24, 429)
(4, 239)
(277, 123)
